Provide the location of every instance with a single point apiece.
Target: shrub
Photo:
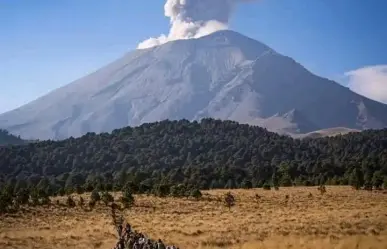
(127, 199)
(61, 192)
(70, 201)
(106, 197)
(5, 201)
(95, 196)
(162, 190)
(246, 184)
(45, 200)
(22, 196)
(92, 204)
(196, 194)
(81, 201)
(79, 189)
(229, 200)
(322, 189)
(34, 198)
(266, 186)
(286, 181)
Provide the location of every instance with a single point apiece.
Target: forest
(7, 138)
(209, 154)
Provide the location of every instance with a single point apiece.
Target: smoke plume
(194, 19)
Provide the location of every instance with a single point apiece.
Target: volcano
(224, 75)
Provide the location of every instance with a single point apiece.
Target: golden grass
(342, 219)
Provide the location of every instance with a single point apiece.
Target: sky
(45, 44)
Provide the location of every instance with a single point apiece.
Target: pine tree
(377, 180)
(22, 196)
(246, 184)
(385, 182)
(286, 181)
(127, 199)
(95, 196)
(274, 179)
(356, 179)
(196, 194)
(368, 180)
(106, 197)
(266, 186)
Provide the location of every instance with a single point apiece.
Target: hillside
(209, 154)
(8, 139)
(224, 75)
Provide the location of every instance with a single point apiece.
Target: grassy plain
(293, 217)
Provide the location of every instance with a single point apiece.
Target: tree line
(6, 138)
(169, 157)
(12, 199)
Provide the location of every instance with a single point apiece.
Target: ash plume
(193, 19)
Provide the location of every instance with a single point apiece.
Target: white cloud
(370, 82)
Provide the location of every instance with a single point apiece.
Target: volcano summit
(223, 75)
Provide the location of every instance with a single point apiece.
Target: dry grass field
(296, 218)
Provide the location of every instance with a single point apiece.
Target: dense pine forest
(204, 155)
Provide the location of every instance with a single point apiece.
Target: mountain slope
(224, 75)
(9, 139)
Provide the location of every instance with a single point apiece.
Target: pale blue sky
(45, 44)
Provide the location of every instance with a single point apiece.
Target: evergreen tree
(127, 199)
(368, 180)
(162, 190)
(5, 200)
(266, 186)
(356, 179)
(196, 194)
(45, 200)
(34, 197)
(286, 181)
(4, 203)
(61, 192)
(275, 179)
(107, 198)
(377, 180)
(385, 182)
(246, 184)
(230, 184)
(22, 196)
(79, 189)
(95, 196)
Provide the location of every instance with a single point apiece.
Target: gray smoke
(194, 19)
